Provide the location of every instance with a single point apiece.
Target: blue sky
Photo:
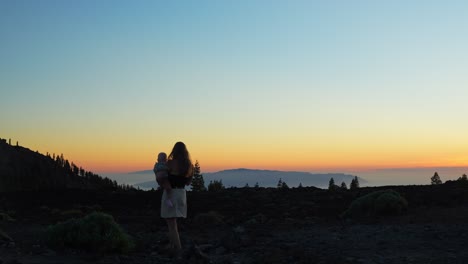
(319, 79)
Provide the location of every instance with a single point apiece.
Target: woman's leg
(173, 233)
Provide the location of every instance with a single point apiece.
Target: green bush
(390, 203)
(96, 232)
(378, 203)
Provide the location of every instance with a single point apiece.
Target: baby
(161, 172)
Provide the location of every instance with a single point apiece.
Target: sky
(288, 85)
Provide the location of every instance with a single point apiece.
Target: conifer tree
(343, 186)
(215, 186)
(354, 183)
(331, 184)
(463, 178)
(280, 184)
(198, 183)
(436, 179)
(75, 169)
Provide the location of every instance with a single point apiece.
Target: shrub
(96, 232)
(390, 203)
(378, 203)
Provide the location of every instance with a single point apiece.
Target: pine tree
(343, 186)
(284, 186)
(331, 184)
(354, 183)
(198, 183)
(75, 169)
(280, 184)
(463, 178)
(256, 185)
(215, 186)
(300, 185)
(436, 179)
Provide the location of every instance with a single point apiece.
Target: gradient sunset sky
(288, 85)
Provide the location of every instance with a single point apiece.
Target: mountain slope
(24, 169)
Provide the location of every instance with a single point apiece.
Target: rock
(49, 253)
(239, 229)
(194, 255)
(205, 247)
(4, 236)
(220, 250)
(231, 241)
(198, 252)
(14, 261)
(116, 260)
(109, 260)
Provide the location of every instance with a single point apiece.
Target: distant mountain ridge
(269, 178)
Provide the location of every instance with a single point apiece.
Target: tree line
(352, 186)
(198, 183)
(435, 179)
(92, 179)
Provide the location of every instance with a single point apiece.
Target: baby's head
(162, 157)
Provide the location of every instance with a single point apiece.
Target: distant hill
(269, 178)
(24, 169)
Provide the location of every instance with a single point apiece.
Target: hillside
(24, 169)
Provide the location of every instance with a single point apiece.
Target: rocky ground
(248, 226)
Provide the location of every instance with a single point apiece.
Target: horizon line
(313, 171)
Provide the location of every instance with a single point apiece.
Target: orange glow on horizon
(137, 156)
(125, 168)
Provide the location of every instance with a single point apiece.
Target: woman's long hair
(181, 156)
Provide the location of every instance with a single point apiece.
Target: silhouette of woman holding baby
(174, 199)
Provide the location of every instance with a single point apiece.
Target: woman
(180, 171)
